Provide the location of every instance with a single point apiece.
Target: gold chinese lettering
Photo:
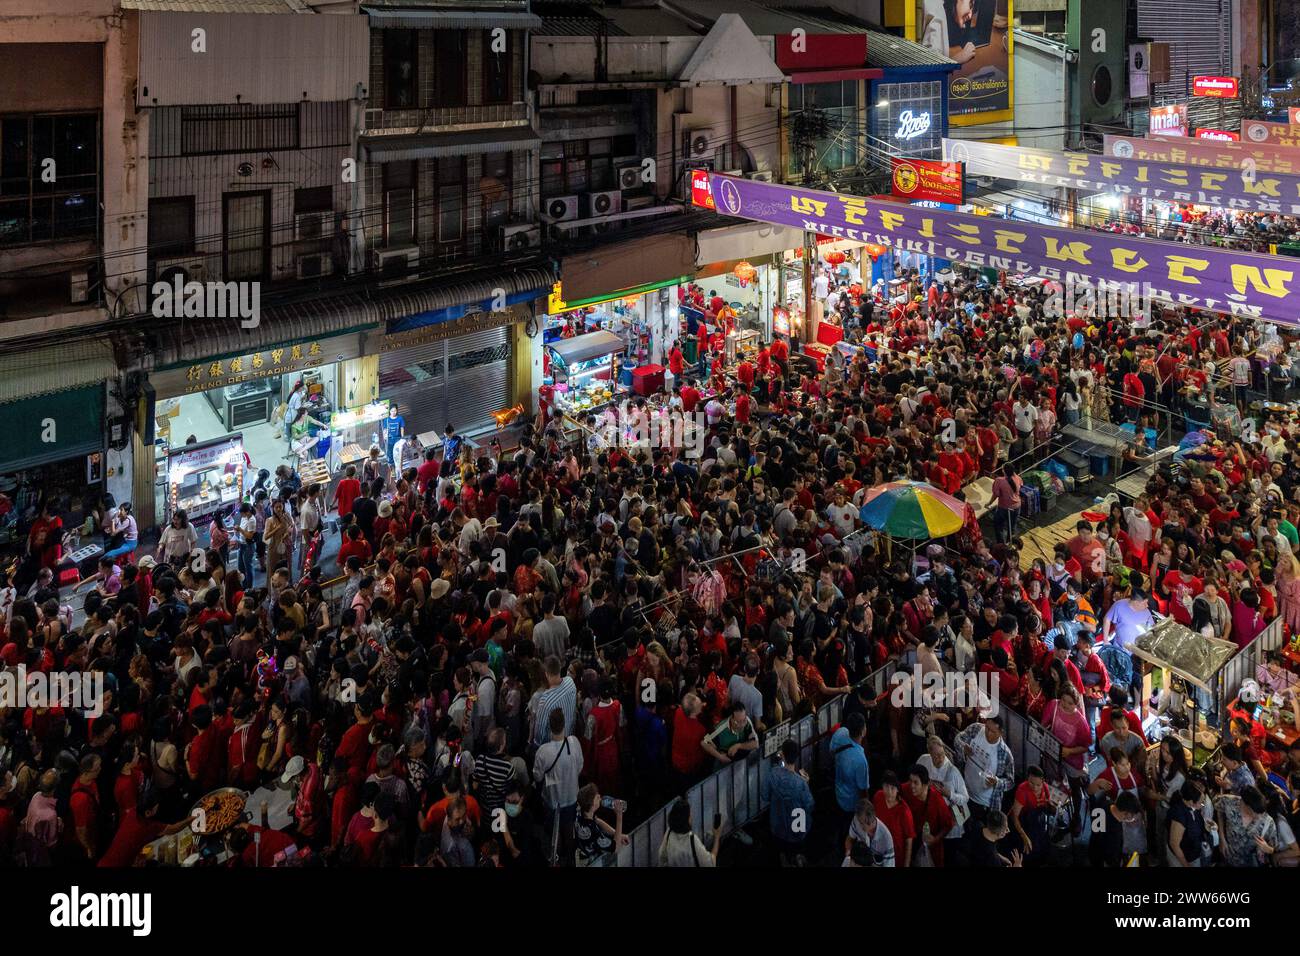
(277, 355)
(257, 360)
(215, 369)
(1127, 260)
(314, 350)
(236, 366)
(1004, 239)
(855, 210)
(295, 353)
(194, 374)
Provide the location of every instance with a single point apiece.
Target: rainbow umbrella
(912, 509)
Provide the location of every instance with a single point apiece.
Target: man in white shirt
(308, 523)
(470, 530)
(842, 514)
(1026, 417)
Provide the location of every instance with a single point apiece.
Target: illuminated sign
(911, 125)
(1219, 87)
(1222, 135)
(701, 194)
(1169, 120)
(926, 179)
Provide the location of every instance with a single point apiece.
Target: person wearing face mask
(519, 836)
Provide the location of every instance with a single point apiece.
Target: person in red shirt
(689, 759)
(348, 491)
(84, 807)
(690, 396)
(354, 545)
(257, 846)
(129, 781)
(135, 831)
(744, 408)
(437, 813)
(927, 806)
(676, 362)
(764, 360)
(897, 818)
(427, 472)
(204, 759)
(355, 746)
(745, 374)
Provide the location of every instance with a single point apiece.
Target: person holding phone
(595, 840)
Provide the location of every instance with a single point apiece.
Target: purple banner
(1246, 189)
(1221, 280)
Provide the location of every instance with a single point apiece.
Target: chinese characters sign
(287, 359)
(1204, 277)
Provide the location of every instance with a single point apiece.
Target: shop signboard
(1267, 159)
(978, 35)
(1169, 120)
(52, 427)
(1271, 134)
(700, 195)
(1293, 115)
(1217, 87)
(1218, 135)
(1227, 189)
(286, 359)
(928, 180)
(1226, 280)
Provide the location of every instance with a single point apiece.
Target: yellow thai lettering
(891, 220)
(1266, 281)
(1069, 252)
(1174, 177)
(1077, 164)
(1267, 187)
(1008, 241)
(1031, 161)
(970, 233)
(1178, 266)
(807, 206)
(1111, 170)
(1211, 181)
(927, 228)
(1126, 260)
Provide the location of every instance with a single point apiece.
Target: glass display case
(584, 370)
(206, 477)
(245, 403)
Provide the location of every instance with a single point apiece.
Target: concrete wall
(1042, 94)
(756, 127)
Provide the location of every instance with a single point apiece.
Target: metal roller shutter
(478, 383)
(415, 379)
(1199, 34)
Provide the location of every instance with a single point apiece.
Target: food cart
(206, 477)
(1178, 662)
(584, 370)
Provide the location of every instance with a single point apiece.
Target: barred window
(238, 128)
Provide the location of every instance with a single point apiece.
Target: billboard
(977, 34)
(1224, 189)
(1270, 134)
(1208, 277)
(929, 180)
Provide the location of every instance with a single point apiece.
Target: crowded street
(765, 501)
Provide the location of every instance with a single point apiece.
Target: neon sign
(911, 126)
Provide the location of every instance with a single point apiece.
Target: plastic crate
(1030, 501)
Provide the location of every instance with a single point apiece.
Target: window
(171, 226)
(494, 187)
(314, 199)
(449, 68)
(399, 203)
(400, 72)
(49, 177)
(838, 102)
(451, 199)
(909, 117)
(496, 70)
(238, 128)
(581, 166)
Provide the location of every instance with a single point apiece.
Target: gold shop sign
(263, 363)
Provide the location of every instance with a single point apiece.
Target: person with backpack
(556, 769)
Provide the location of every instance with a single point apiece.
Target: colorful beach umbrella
(912, 509)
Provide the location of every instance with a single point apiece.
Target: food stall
(1177, 662)
(206, 477)
(585, 372)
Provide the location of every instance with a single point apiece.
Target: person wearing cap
(296, 685)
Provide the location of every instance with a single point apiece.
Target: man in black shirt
(982, 850)
(365, 510)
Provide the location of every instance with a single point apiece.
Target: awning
(519, 285)
(450, 19)
(581, 348)
(833, 76)
(329, 316)
(1194, 656)
(55, 368)
(387, 149)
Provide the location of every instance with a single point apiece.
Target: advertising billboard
(977, 34)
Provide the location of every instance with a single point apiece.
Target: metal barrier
(1242, 665)
(736, 790)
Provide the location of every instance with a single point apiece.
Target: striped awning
(25, 373)
(388, 149)
(411, 19)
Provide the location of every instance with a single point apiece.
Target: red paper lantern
(836, 258)
(744, 271)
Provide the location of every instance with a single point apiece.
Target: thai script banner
(1272, 134)
(1268, 159)
(1222, 280)
(1246, 189)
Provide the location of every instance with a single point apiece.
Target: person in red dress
(605, 737)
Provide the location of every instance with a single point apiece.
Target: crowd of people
(532, 648)
(1201, 225)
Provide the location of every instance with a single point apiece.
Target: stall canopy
(1191, 655)
(582, 348)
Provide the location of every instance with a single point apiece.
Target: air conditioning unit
(520, 236)
(80, 285)
(629, 177)
(700, 143)
(638, 202)
(605, 203)
(560, 208)
(315, 265)
(309, 226)
(395, 259)
(761, 176)
(190, 268)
